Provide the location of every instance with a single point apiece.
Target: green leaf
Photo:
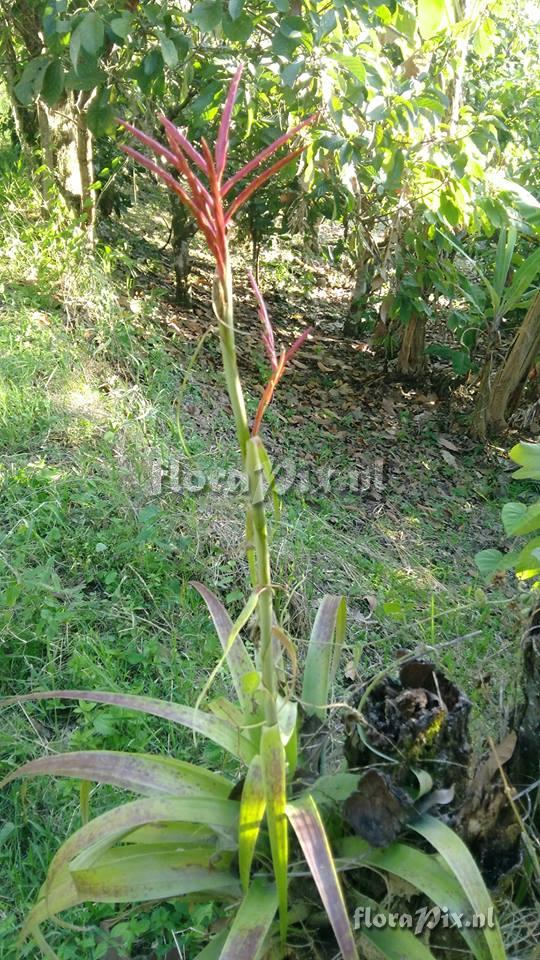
(308, 826)
(425, 872)
(523, 278)
(395, 944)
(206, 15)
(168, 50)
(512, 515)
(235, 8)
(87, 75)
(291, 72)
(100, 115)
(31, 82)
(126, 874)
(463, 867)
(121, 25)
(323, 654)
(134, 871)
(238, 659)
(251, 924)
(140, 772)
(519, 519)
(213, 950)
(107, 829)
(92, 33)
(527, 562)
(489, 561)
(275, 791)
(292, 27)
(239, 30)
(503, 258)
(334, 787)
(53, 83)
(527, 455)
(354, 65)
(433, 16)
(75, 46)
(252, 807)
(239, 624)
(215, 729)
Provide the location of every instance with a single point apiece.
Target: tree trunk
(67, 151)
(362, 284)
(411, 357)
(24, 119)
(183, 230)
(85, 161)
(499, 395)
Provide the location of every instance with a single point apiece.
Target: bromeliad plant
(193, 832)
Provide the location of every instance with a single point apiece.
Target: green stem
(264, 579)
(224, 309)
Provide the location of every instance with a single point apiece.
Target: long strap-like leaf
(252, 807)
(323, 654)
(425, 872)
(238, 659)
(462, 864)
(251, 924)
(141, 772)
(224, 734)
(228, 646)
(309, 829)
(109, 827)
(275, 785)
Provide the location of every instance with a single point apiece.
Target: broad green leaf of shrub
(527, 455)
(53, 83)
(518, 519)
(31, 82)
(433, 15)
(489, 561)
(92, 33)
(206, 15)
(528, 561)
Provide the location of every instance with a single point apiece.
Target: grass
(95, 562)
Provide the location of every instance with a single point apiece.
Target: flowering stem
(255, 476)
(224, 310)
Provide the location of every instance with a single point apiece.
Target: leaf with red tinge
(140, 772)
(324, 649)
(238, 659)
(251, 924)
(309, 828)
(215, 729)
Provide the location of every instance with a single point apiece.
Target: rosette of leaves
(190, 831)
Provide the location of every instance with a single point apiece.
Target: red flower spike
(206, 204)
(148, 141)
(258, 182)
(268, 333)
(177, 139)
(267, 152)
(222, 142)
(278, 366)
(162, 174)
(298, 343)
